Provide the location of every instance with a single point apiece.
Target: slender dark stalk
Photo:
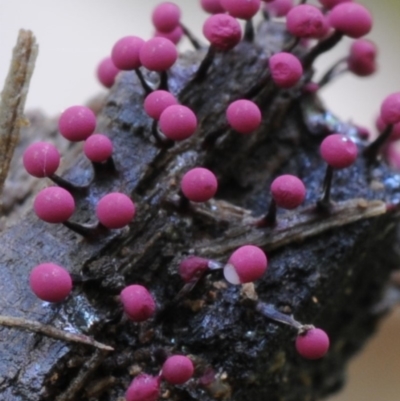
(372, 150)
(249, 31)
(163, 81)
(86, 231)
(205, 65)
(161, 140)
(325, 201)
(108, 167)
(69, 186)
(320, 48)
(291, 45)
(192, 39)
(333, 72)
(147, 88)
(270, 218)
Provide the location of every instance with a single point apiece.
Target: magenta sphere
(158, 54)
(98, 148)
(339, 151)
(288, 191)
(50, 282)
(125, 53)
(332, 3)
(306, 21)
(77, 123)
(286, 69)
(54, 205)
(177, 369)
(143, 388)
(279, 8)
(351, 19)
(199, 184)
(244, 116)
(192, 267)
(314, 344)
(247, 264)
(222, 31)
(115, 210)
(178, 122)
(138, 303)
(243, 9)
(390, 109)
(157, 101)
(362, 58)
(107, 72)
(41, 159)
(212, 6)
(166, 16)
(174, 36)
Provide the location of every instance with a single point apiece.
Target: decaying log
(328, 270)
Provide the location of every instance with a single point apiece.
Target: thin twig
(80, 381)
(50, 331)
(13, 98)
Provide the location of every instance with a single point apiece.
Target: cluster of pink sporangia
(53, 283)
(246, 265)
(56, 204)
(175, 122)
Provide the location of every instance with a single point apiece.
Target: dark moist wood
(327, 270)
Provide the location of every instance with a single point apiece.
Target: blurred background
(74, 35)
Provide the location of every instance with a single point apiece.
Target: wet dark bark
(328, 270)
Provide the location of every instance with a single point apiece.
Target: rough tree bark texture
(330, 270)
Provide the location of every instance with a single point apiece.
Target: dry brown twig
(13, 98)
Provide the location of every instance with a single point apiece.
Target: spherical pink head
(339, 151)
(166, 16)
(288, 191)
(138, 303)
(247, 264)
(174, 36)
(286, 69)
(143, 388)
(192, 268)
(125, 53)
(362, 58)
(390, 109)
(199, 184)
(212, 6)
(332, 3)
(50, 282)
(222, 31)
(41, 159)
(77, 123)
(351, 19)
(313, 344)
(107, 72)
(177, 369)
(279, 8)
(306, 21)
(178, 122)
(157, 101)
(115, 210)
(158, 54)
(98, 148)
(54, 205)
(243, 9)
(244, 116)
